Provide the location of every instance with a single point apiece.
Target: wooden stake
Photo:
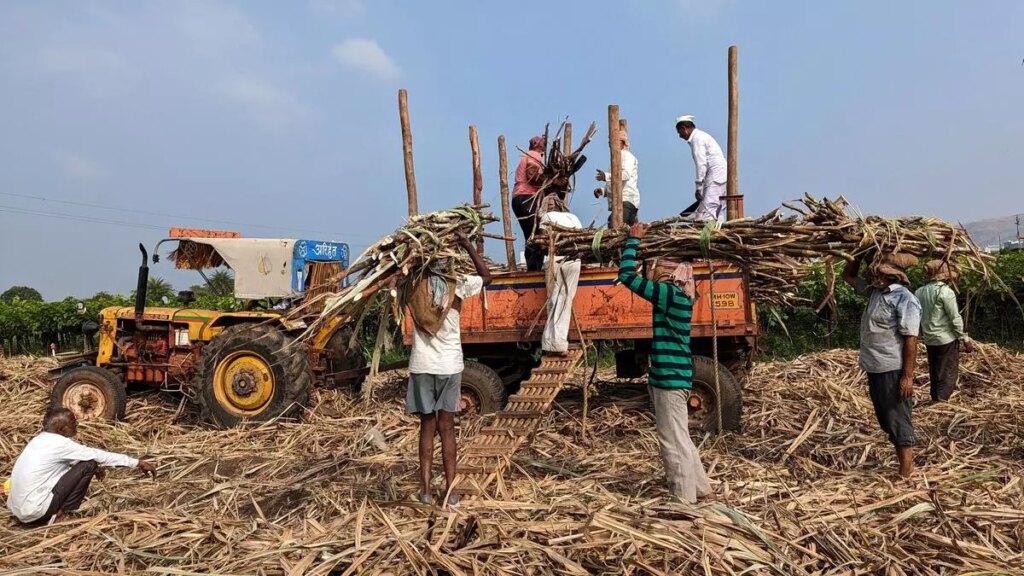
(734, 203)
(478, 178)
(506, 212)
(567, 139)
(615, 145)
(410, 173)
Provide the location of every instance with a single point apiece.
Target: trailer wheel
(90, 393)
(251, 372)
(702, 414)
(483, 392)
(344, 358)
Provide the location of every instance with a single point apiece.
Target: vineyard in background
(28, 325)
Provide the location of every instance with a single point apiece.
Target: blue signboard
(315, 251)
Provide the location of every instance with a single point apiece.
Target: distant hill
(991, 232)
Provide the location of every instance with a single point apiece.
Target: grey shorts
(430, 393)
(892, 411)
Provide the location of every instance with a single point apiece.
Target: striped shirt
(671, 359)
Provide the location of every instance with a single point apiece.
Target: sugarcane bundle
(782, 247)
(389, 266)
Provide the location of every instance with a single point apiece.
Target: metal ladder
(484, 459)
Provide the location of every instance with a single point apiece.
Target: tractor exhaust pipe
(140, 289)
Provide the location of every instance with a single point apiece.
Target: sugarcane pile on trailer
(781, 248)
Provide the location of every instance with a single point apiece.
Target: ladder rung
(520, 414)
(468, 470)
(532, 384)
(499, 431)
(531, 398)
(500, 450)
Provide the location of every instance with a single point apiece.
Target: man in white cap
(710, 164)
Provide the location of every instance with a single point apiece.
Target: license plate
(727, 300)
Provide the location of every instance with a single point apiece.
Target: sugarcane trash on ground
(807, 488)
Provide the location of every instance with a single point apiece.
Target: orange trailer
(501, 332)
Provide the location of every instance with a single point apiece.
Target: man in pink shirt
(529, 176)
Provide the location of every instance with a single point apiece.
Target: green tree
(220, 282)
(156, 289)
(23, 292)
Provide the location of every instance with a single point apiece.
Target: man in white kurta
(710, 166)
(630, 188)
(564, 278)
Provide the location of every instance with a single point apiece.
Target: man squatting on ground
(942, 328)
(671, 373)
(630, 189)
(52, 474)
(435, 363)
(529, 177)
(888, 347)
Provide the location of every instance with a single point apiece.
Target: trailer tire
(344, 358)
(251, 373)
(90, 393)
(702, 414)
(483, 392)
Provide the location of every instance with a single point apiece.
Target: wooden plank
(410, 173)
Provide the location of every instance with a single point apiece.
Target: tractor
(236, 366)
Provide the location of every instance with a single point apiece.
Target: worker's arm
(478, 261)
(700, 160)
(908, 326)
(72, 451)
(654, 292)
(909, 364)
(851, 271)
(948, 300)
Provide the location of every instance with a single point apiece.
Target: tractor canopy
(263, 267)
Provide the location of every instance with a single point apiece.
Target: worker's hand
(638, 230)
(698, 194)
(969, 345)
(147, 468)
(598, 192)
(907, 387)
(601, 177)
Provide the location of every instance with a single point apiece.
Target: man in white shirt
(435, 364)
(53, 472)
(562, 284)
(711, 170)
(630, 189)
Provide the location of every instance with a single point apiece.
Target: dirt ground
(807, 487)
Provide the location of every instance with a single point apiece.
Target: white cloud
(269, 105)
(80, 169)
(366, 55)
(215, 28)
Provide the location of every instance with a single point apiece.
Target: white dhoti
(566, 276)
(683, 470)
(711, 206)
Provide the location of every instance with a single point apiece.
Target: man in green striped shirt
(671, 375)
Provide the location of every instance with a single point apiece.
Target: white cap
(687, 118)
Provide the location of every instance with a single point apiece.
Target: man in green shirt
(671, 374)
(942, 328)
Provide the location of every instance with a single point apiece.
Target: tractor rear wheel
(251, 372)
(702, 410)
(90, 393)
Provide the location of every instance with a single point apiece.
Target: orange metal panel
(515, 308)
(200, 233)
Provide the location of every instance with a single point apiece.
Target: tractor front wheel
(90, 393)
(252, 372)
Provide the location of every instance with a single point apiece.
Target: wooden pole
(734, 203)
(410, 173)
(567, 140)
(616, 165)
(506, 212)
(478, 178)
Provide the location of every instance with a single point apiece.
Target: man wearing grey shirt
(888, 347)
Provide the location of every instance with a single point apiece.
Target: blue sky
(280, 119)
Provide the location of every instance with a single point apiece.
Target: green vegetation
(21, 292)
